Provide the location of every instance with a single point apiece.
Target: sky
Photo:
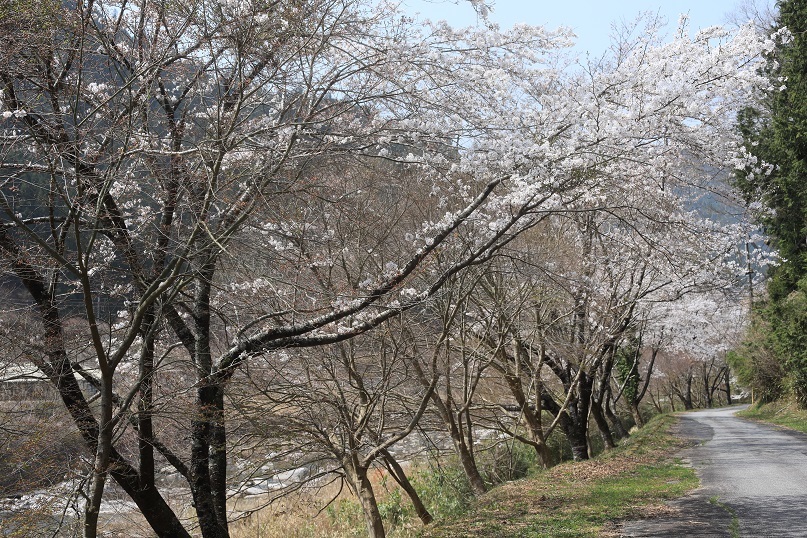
(591, 20)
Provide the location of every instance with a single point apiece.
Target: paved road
(753, 481)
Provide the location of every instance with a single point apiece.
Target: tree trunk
(602, 425)
(686, 395)
(158, 514)
(469, 466)
(542, 450)
(616, 422)
(728, 385)
(460, 446)
(531, 417)
(207, 427)
(706, 386)
(361, 486)
(688, 399)
(397, 473)
(636, 414)
(201, 482)
(579, 442)
(576, 435)
(573, 429)
(218, 458)
(100, 464)
(145, 426)
(575, 423)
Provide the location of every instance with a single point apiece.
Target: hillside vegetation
(780, 412)
(584, 498)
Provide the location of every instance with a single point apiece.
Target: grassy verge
(782, 413)
(582, 499)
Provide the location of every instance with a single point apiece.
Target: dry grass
(309, 513)
(573, 499)
(582, 499)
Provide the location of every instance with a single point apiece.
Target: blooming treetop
(484, 117)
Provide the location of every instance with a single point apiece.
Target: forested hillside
(774, 361)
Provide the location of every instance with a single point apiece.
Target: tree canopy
(206, 201)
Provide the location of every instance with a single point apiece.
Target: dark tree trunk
(616, 422)
(397, 473)
(574, 419)
(688, 394)
(636, 414)
(574, 423)
(602, 425)
(201, 482)
(576, 427)
(103, 449)
(707, 392)
(208, 454)
(218, 457)
(727, 385)
(151, 504)
(145, 427)
(577, 437)
(637, 400)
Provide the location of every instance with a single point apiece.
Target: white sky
(591, 20)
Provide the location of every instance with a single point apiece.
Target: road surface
(753, 481)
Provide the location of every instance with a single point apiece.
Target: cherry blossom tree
(156, 157)
(337, 414)
(699, 331)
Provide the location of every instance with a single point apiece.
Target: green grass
(734, 527)
(582, 499)
(781, 413)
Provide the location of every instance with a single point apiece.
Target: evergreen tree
(776, 135)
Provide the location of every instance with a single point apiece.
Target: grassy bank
(582, 499)
(781, 413)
